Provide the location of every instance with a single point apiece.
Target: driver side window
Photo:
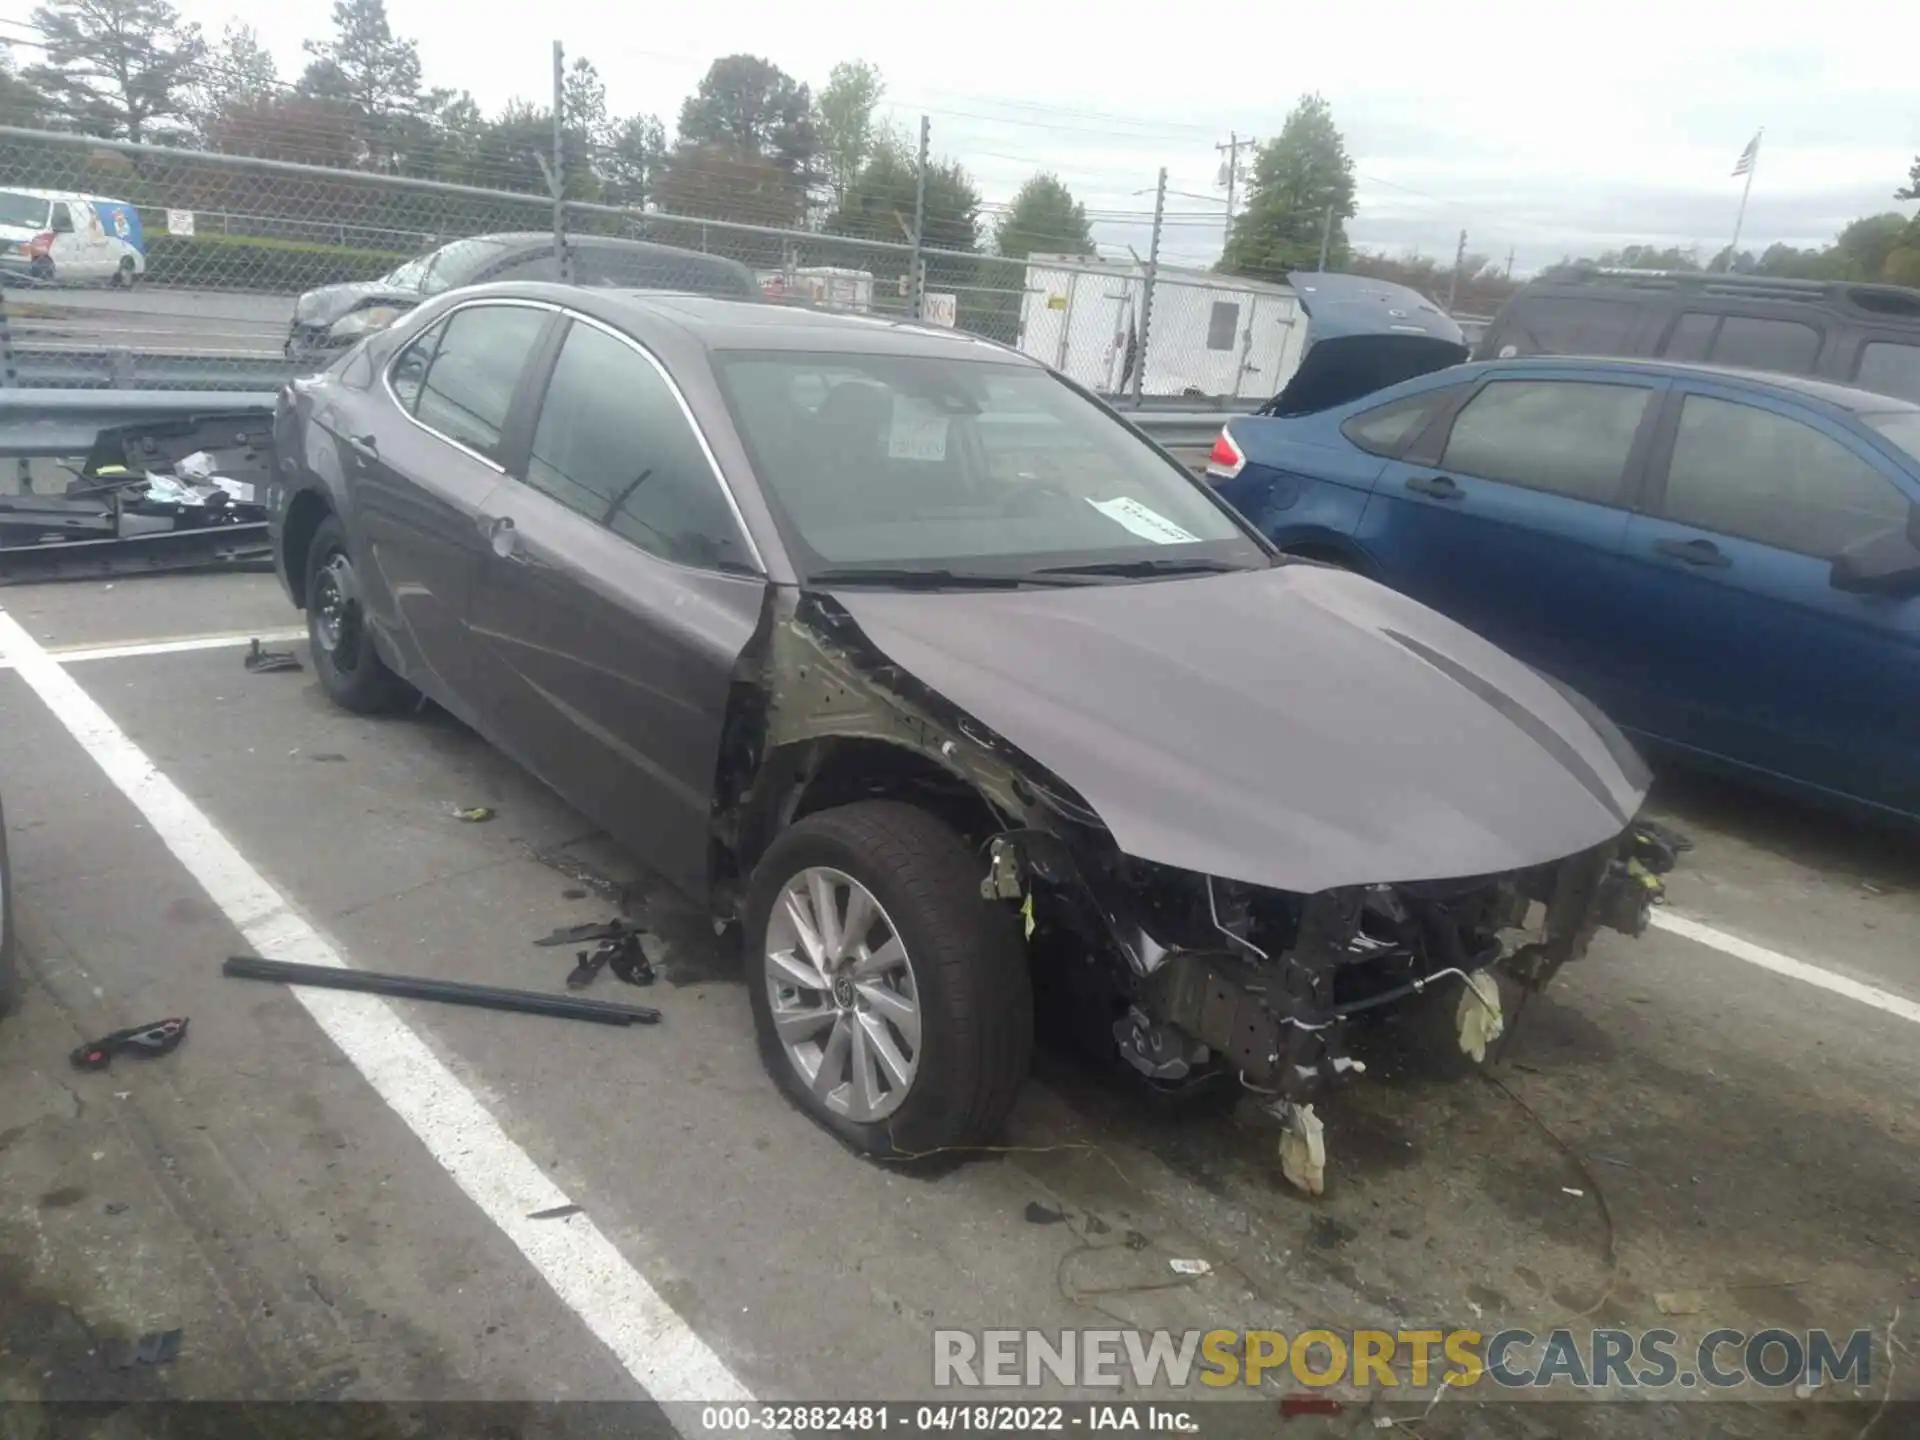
(613, 445)
(1755, 475)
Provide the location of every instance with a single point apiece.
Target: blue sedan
(1728, 563)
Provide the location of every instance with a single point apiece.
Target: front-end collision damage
(1188, 976)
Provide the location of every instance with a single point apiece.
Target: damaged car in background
(946, 685)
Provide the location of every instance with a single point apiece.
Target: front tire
(350, 669)
(892, 1002)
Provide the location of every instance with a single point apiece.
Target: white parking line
(1828, 980)
(585, 1269)
(67, 654)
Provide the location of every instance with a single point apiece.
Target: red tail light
(1225, 460)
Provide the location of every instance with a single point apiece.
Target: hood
(1300, 727)
(328, 303)
(1363, 335)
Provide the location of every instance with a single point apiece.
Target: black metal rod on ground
(454, 992)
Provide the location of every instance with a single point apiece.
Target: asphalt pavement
(335, 1197)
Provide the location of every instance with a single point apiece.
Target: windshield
(455, 264)
(409, 275)
(1902, 427)
(27, 211)
(888, 460)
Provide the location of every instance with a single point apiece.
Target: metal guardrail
(67, 422)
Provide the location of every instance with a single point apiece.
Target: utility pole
(917, 301)
(1749, 162)
(557, 176)
(1509, 262)
(1459, 260)
(1153, 270)
(1326, 237)
(1232, 168)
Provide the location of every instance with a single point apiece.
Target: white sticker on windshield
(1147, 524)
(919, 431)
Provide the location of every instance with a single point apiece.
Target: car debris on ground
(156, 1038)
(453, 992)
(156, 1347)
(176, 494)
(262, 661)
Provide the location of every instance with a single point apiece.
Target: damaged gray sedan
(944, 683)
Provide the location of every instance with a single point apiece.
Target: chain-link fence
(155, 267)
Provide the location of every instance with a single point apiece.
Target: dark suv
(1862, 335)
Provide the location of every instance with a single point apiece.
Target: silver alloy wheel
(842, 993)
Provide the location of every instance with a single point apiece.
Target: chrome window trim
(700, 435)
(444, 317)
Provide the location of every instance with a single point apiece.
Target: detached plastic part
(1303, 1150)
(1478, 1017)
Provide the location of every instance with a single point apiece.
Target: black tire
(123, 278)
(969, 968)
(350, 670)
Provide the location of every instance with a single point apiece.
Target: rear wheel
(892, 1002)
(124, 277)
(351, 671)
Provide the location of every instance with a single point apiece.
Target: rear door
(69, 251)
(1508, 516)
(421, 451)
(1746, 650)
(617, 594)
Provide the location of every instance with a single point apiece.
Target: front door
(1512, 526)
(1749, 652)
(416, 480)
(616, 596)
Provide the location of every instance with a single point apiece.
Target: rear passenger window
(1784, 346)
(1692, 337)
(1552, 325)
(1388, 429)
(470, 383)
(409, 370)
(1742, 471)
(613, 444)
(1889, 368)
(1567, 436)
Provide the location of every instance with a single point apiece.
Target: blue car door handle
(1694, 552)
(1438, 486)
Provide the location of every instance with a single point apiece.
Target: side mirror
(1884, 564)
(62, 223)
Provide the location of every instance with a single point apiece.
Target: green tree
(880, 203)
(20, 103)
(633, 159)
(1911, 190)
(364, 65)
(1297, 177)
(748, 108)
(1044, 218)
(118, 68)
(844, 121)
(1649, 257)
(242, 73)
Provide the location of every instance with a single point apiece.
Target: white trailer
(1212, 335)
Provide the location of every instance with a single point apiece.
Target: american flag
(1744, 164)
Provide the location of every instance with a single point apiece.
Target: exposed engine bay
(1186, 976)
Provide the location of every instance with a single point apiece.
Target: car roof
(716, 324)
(1800, 387)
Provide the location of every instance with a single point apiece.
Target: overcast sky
(1548, 128)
